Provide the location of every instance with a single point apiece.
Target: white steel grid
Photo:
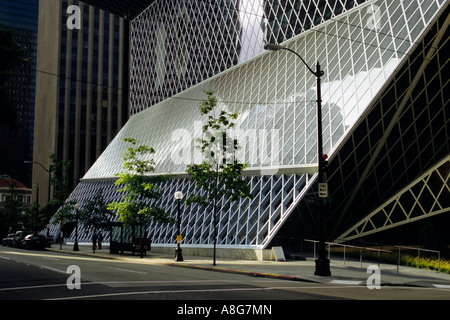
(241, 89)
(216, 35)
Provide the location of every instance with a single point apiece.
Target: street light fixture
(322, 263)
(178, 196)
(77, 208)
(48, 192)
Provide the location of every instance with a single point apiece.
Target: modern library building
(384, 116)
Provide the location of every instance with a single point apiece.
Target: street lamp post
(322, 263)
(75, 246)
(49, 175)
(48, 192)
(61, 236)
(178, 196)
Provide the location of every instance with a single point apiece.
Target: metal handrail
(378, 250)
(346, 246)
(418, 255)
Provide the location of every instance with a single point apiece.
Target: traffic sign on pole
(323, 190)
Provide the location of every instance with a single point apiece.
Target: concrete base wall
(243, 254)
(240, 254)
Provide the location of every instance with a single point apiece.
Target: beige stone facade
(81, 88)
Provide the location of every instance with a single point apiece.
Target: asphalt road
(37, 275)
(46, 275)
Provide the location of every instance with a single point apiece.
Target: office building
(81, 86)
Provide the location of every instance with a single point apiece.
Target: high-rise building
(81, 86)
(385, 115)
(16, 138)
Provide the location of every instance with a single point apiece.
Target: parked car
(35, 242)
(8, 239)
(17, 241)
(50, 240)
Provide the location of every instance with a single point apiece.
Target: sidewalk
(351, 273)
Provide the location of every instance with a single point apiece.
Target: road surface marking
(34, 287)
(349, 282)
(52, 269)
(49, 258)
(160, 292)
(126, 270)
(442, 286)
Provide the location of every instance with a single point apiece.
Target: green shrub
(405, 260)
(426, 263)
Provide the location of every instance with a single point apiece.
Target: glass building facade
(384, 87)
(16, 139)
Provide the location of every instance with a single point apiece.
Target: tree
(95, 212)
(11, 217)
(60, 177)
(220, 173)
(59, 181)
(66, 212)
(138, 187)
(34, 219)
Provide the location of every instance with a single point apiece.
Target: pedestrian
(100, 239)
(94, 241)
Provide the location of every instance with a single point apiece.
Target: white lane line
(119, 282)
(126, 270)
(48, 258)
(196, 291)
(442, 286)
(4, 258)
(52, 269)
(159, 292)
(34, 287)
(349, 282)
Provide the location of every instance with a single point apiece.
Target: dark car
(18, 239)
(34, 242)
(50, 240)
(8, 239)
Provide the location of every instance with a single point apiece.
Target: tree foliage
(60, 177)
(59, 171)
(138, 188)
(11, 216)
(16, 215)
(220, 173)
(34, 219)
(66, 212)
(95, 211)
